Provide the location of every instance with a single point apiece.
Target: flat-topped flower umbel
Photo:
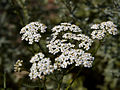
(67, 44)
(102, 29)
(31, 32)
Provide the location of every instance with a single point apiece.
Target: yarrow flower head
(102, 29)
(31, 32)
(55, 43)
(77, 56)
(66, 27)
(70, 55)
(18, 65)
(41, 66)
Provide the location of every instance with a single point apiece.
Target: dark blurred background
(14, 14)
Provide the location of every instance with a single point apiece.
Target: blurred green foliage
(14, 14)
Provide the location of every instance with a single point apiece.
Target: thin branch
(4, 80)
(45, 83)
(73, 80)
(69, 70)
(41, 48)
(71, 11)
(95, 51)
(59, 84)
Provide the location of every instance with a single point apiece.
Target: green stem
(100, 43)
(41, 48)
(45, 83)
(59, 83)
(4, 80)
(26, 16)
(21, 4)
(97, 48)
(24, 10)
(73, 80)
(31, 51)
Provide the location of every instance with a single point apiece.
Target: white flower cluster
(41, 66)
(30, 32)
(18, 65)
(69, 54)
(59, 46)
(77, 56)
(59, 42)
(102, 29)
(56, 45)
(65, 27)
(84, 40)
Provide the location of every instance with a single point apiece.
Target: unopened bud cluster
(18, 65)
